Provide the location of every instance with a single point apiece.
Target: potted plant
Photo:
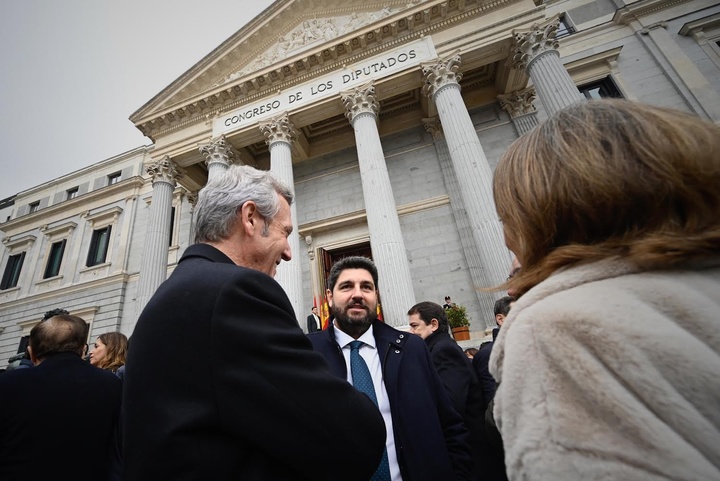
(459, 322)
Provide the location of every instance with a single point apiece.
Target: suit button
(397, 352)
(402, 335)
(397, 340)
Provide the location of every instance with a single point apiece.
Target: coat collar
(206, 251)
(436, 337)
(383, 334)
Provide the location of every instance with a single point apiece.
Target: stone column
(536, 50)
(153, 270)
(388, 248)
(472, 254)
(218, 156)
(280, 134)
(474, 176)
(521, 109)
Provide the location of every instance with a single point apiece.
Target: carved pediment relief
(309, 34)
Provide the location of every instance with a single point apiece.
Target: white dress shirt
(370, 354)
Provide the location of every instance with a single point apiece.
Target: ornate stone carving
(433, 127)
(163, 170)
(192, 198)
(530, 44)
(279, 129)
(441, 74)
(518, 103)
(360, 101)
(308, 34)
(218, 151)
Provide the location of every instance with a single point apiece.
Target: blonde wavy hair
(115, 350)
(610, 178)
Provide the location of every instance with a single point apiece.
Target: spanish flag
(325, 315)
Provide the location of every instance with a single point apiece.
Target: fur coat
(606, 372)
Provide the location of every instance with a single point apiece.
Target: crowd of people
(603, 364)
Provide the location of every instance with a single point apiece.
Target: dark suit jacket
(58, 420)
(311, 325)
(495, 462)
(430, 438)
(461, 384)
(220, 381)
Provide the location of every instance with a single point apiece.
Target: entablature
(396, 28)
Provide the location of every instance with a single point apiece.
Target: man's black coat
(220, 383)
(458, 377)
(58, 420)
(312, 326)
(430, 438)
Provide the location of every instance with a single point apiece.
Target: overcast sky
(72, 72)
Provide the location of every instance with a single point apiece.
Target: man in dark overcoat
(429, 321)
(313, 321)
(426, 438)
(58, 420)
(220, 380)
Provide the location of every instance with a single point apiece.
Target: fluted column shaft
(280, 134)
(153, 270)
(525, 123)
(218, 157)
(536, 51)
(388, 249)
(462, 222)
(472, 170)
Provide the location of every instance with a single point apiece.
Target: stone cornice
(359, 217)
(636, 10)
(396, 29)
(79, 288)
(29, 221)
(709, 22)
(103, 164)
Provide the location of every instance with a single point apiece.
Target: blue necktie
(362, 380)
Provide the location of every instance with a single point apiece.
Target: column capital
(218, 151)
(360, 101)
(279, 129)
(433, 126)
(519, 102)
(163, 170)
(530, 44)
(441, 73)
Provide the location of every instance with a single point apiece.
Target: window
(24, 343)
(55, 259)
(99, 246)
(601, 89)
(565, 28)
(72, 193)
(172, 225)
(12, 271)
(34, 207)
(113, 178)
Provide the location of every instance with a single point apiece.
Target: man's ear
(434, 324)
(328, 294)
(499, 319)
(249, 218)
(34, 359)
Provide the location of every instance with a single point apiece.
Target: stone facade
(400, 162)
